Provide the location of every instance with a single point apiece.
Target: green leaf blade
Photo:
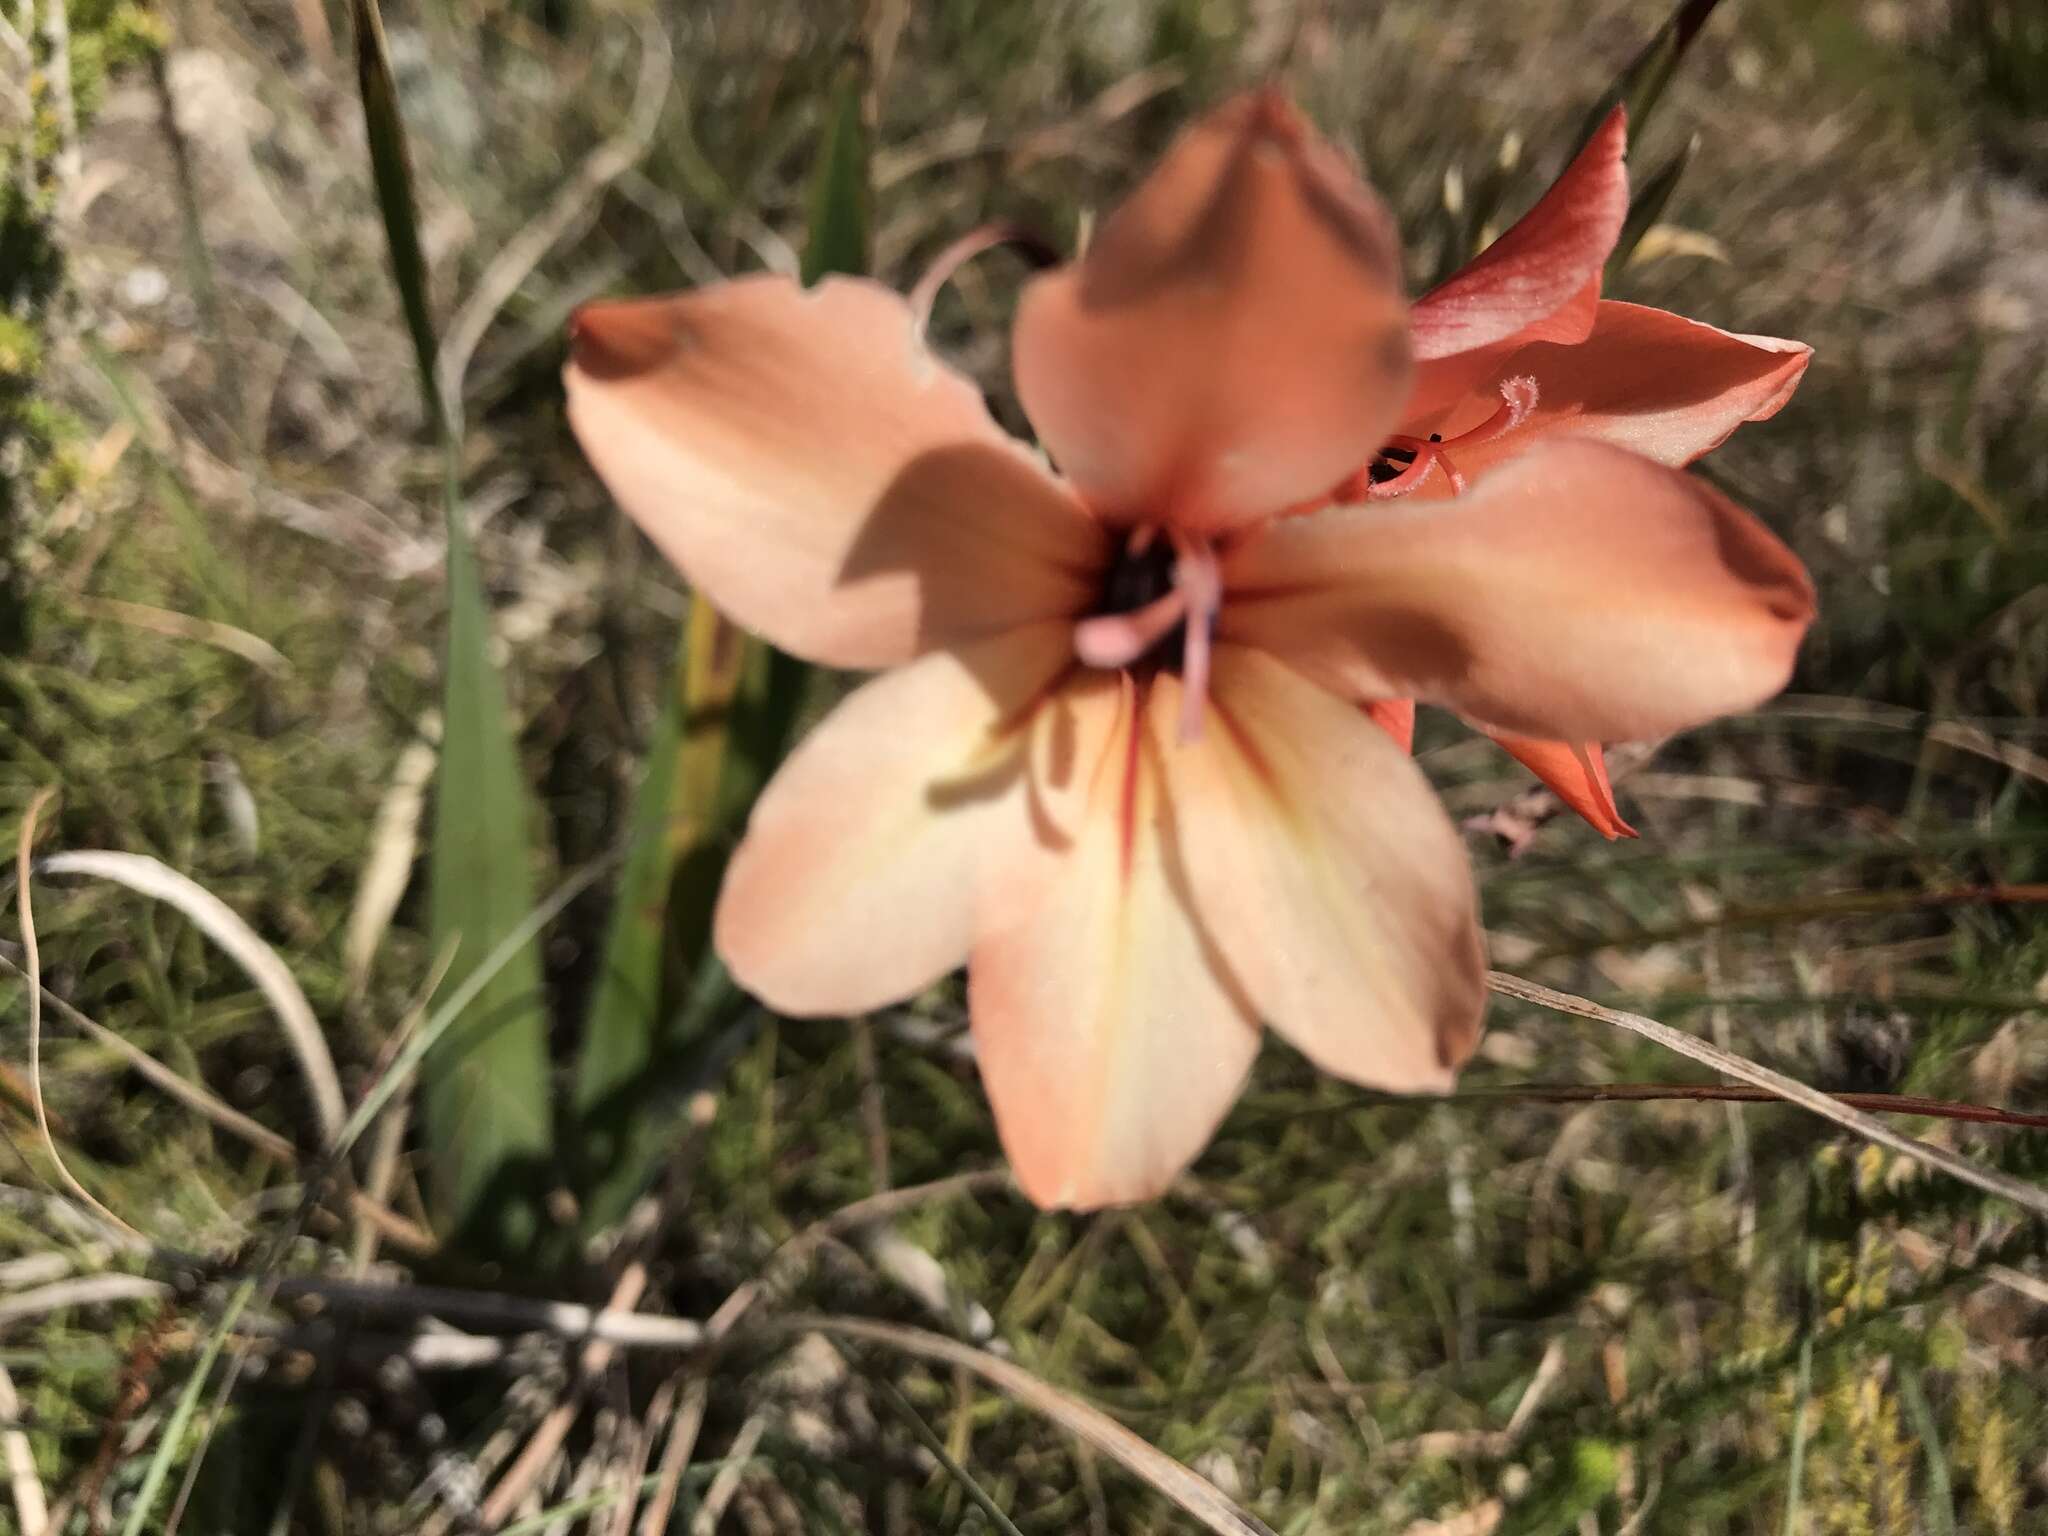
(485, 1083)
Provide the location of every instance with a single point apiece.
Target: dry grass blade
(727, 1482)
(1187, 1489)
(86, 1291)
(31, 1508)
(539, 1451)
(183, 626)
(219, 922)
(378, 1216)
(26, 907)
(2030, 1196)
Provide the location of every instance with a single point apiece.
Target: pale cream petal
(1327, 872)
(854, 885)
(1110, 1040)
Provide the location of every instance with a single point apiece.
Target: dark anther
(1135, 580)
(1388, 464)
(1434, 437)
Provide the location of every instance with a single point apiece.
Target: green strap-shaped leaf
(1646, 206)
(391, 171)
(1641, 85)
(840, 187)
(485, 1083)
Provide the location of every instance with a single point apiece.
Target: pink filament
(987, 237)
(1517, 401)
(1200, 583)
(1117, 639)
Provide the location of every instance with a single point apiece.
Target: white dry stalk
(57, 38)
(394, 843)
(219, 922)
(1993, 1182)
(31, 1508)
(85, 1291)
(566, 1319)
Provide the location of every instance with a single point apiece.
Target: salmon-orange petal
(1397, 718)
(1664, 386)
(1578, 593)
(1234, 340)
(812, 469)
(1576, 772)
(1540, 280)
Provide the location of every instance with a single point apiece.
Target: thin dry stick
(26, 907)
(547, 1438)
(727, 1482)
(489, 1309)
(632, 1476)
(675, 1456)
(85, 1291)
(1990, 1180)
(1729, 1093)
(524, 251)
(1194, 1493)
(371, 1210)
(31, 1508)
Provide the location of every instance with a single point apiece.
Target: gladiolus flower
(1116, 765)
(1519, 345)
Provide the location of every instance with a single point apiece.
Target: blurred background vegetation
(256, 603)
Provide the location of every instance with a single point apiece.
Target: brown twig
(1814, 909)
(1730, 1093)
(540, 1450)
(1990, 1180)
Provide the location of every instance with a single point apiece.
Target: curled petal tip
(614, 340)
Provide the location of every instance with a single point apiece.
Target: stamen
(1036, 249)
(1200, 583)
(1518, 398)
(1425, 459)
(1112, 640)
